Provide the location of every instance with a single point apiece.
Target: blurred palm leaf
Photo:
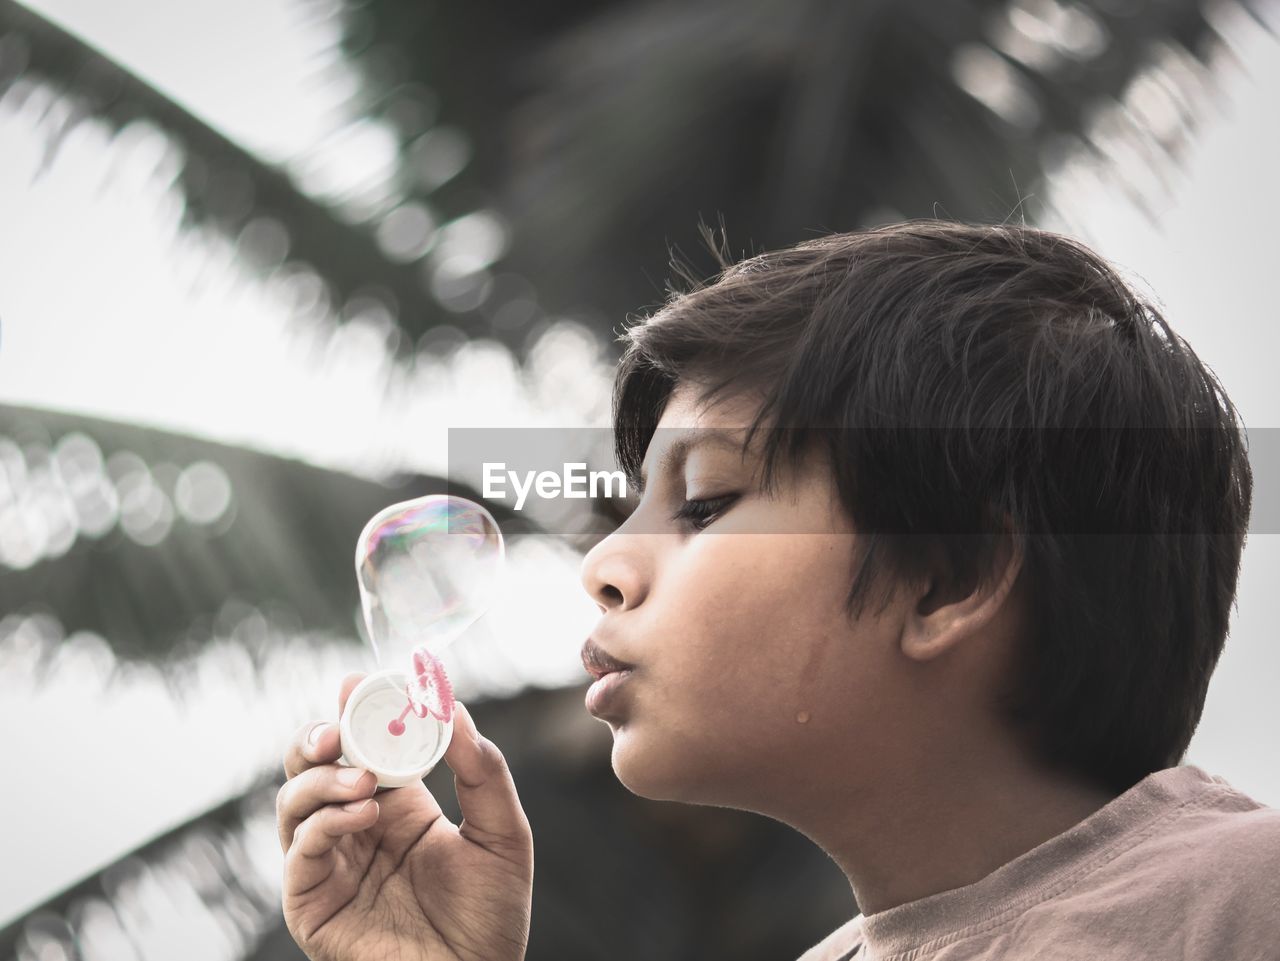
(152, 575)
(226, 187)
(606, 131)
(611, 129)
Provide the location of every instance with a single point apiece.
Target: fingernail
(313, 736)
(355, 807)
(350, 776)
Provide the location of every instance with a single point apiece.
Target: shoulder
(1212, 872)
(837, 944)
(1225, 877)
(1225, 861)
(1217, 834)
(1228, 834)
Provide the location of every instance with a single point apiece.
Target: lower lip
(599, 693)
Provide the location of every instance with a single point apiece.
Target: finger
(302, 796)
(348, 685)
(491, 811)
(316, 742)
(310, 859)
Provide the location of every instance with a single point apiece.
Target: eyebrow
(673, 457)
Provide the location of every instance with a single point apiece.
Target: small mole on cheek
(802, 717)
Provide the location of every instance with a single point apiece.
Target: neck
(943, 822)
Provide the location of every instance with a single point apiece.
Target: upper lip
(600, 662)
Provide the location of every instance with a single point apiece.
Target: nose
(614, 573)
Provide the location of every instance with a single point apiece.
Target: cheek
(728, 581)
(749, 638)
(753, 617)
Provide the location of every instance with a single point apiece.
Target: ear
(946, 611)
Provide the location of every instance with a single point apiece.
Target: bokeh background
(257, 256)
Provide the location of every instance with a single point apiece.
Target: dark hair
(963, 374)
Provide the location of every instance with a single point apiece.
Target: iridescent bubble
(428, 569)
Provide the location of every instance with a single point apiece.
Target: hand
(367, 879)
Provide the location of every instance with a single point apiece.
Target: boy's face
(751, 684)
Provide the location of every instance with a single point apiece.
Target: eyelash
(700, 513)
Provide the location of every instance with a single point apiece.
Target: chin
(657, 772)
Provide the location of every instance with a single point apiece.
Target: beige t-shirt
(1181, 866)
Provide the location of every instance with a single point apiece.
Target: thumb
(491, 811)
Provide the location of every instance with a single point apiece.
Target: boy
(986, 512)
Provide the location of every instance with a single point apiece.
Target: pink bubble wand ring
(429, 693)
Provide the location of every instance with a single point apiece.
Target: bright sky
(107, 310)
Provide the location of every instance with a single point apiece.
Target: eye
(700, 513)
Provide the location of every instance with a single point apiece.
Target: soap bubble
(427, 569)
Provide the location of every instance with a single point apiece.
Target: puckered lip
(599, 662)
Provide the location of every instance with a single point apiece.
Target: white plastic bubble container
(367, 739)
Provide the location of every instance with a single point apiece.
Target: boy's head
(983, 499)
